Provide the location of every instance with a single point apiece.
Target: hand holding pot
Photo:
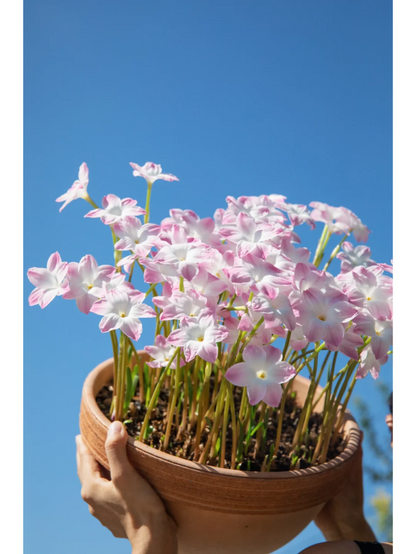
(342, 518)
(126, 504)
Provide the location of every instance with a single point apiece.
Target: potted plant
(242, 448)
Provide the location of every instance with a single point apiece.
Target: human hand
(389, 421)
(124, 502)
(342, 518)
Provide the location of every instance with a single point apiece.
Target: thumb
(115, 447)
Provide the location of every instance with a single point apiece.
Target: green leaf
(209, 422)
(251, 433)
(127, 395)
(135, 381)
(135, 371)
(217, 446)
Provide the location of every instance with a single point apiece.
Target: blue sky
(234, 98)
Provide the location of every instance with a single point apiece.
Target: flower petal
(256, 391)
(273, 395)
(240, 375)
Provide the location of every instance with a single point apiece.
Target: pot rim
(353, 441)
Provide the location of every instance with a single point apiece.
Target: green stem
(204, 396)
(114, 344)
(91, 201)
(316, 352)
(147, 208)
(195, 383)
(224, 428)
(334, 253)
(243, 405)
(213, 433)
(141, 374)
(289, 334)
(131, 271)
(344, 407)
(319, 247)
(233, 426)
(281, 414)
(185, 400)
(174, 401)
(121, 378)
(301, 356)
(151, 289)
(259, 433)
(334, 408)
(155, 394)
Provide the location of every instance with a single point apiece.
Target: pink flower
(218, 265)
(116, 209)
(49, 282)
(262, 372)
(249, 236)
(201, 229)
(261, 208)
(117, 282)
(372, 290)
(86, 282)
(135, 236)
(297, 339)
(276, 311)
(322, 315)
(257, 275)
(295, 255)
(155, 272)
(354, 257)
(207, 284)
(121, 311)
(328, 215)
(263, 335)
(380, 331)
(199, 337)
(349, 344)
(181, 305)
(78, 189)
(368, 363)
(298, 214)
(181, 255)
(354, 225)
(151, 172)
(340, 220)
(162, 353)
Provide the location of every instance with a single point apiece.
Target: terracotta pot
(223, 510)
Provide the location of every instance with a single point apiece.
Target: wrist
(356, 528)
(156, 536)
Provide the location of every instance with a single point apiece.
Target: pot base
(210, 532)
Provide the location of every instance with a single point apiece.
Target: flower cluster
(228, 290)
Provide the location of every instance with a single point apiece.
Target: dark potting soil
(182, 441)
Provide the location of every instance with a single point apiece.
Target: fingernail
(115, 428)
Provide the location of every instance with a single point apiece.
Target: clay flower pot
(223, 510)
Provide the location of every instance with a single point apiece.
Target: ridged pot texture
(225, 511)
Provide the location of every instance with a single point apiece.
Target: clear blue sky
(233, 97)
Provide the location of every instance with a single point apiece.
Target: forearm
(155, 538)
(355, 530)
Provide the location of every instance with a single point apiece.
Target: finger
(115, 447)
(88, 467)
